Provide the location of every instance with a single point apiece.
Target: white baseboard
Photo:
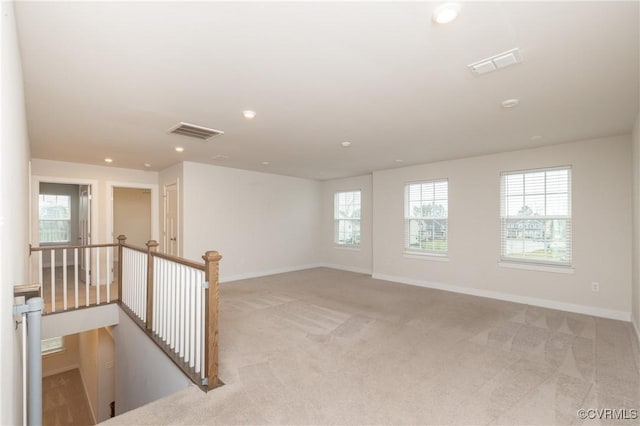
(346, 268)
(544, 303)
(61, 370)
(248, 275)
(86, 393)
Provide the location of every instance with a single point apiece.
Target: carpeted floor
(330, 347)
(64, 402)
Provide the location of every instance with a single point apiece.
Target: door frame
(164, 217)
(34, 226)
(35, 202)
(154, 206)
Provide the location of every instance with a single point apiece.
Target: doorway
(64, 219)
(132, 215)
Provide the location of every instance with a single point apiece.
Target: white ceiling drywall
(109, 79)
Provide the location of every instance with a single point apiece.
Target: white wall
(106, 374)
(332, 255)
(88, 355)
(260, 223)
(14, 183)
(635, 291)
(601, 175)
(138, 363)
(103, 175)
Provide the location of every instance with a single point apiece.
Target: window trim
(336, 221)
(40, 220)
(534, 264)
(424, 254)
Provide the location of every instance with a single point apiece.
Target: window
(55, 218)
(51, 346)
(347, 218)
(536, 216)
(426, 211)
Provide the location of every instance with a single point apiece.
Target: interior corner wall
(601, 220)
(14, 213)
(168, 176)
(260, 223)
(635, 290)
(144, 373)
(347, 258)
(88, 360)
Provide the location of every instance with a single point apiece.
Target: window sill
(348, 248)
(537, 267)
(426, 256)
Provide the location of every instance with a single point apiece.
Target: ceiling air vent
(194, 131)
(495, 62)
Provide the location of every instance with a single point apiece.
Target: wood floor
(64, 401)
(82, 291)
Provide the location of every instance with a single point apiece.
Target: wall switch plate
(595, 287)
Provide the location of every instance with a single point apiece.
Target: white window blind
(53, 345)
(426, 214)
(55, 218)
(347, 218)
(536, 216)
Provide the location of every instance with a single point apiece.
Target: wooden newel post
(152, 246)
(121, 241)
(211, 271)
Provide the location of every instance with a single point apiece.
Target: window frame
(60, 347)
(67, 220)
(412, 251)
(568, 218)
(338, 220)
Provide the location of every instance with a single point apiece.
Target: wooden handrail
(209, 290)
(179, 260)
(32, 249)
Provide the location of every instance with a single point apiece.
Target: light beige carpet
(330, 347)
(64, 402)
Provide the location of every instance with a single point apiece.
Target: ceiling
(109, 79)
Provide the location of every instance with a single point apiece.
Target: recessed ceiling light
(220, 157)
(510, 103)
(265, 163)
(446, 13)
(345, 144)
(248, 114)
(536, 137)
(399, 160)
(147, 165)
(108, 160)
(179, 149)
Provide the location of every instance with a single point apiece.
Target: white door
(171, 219)
(84, 223)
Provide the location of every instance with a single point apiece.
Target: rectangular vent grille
(194, 131)
(495, 62)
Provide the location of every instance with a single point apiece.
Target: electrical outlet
(595, 287)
